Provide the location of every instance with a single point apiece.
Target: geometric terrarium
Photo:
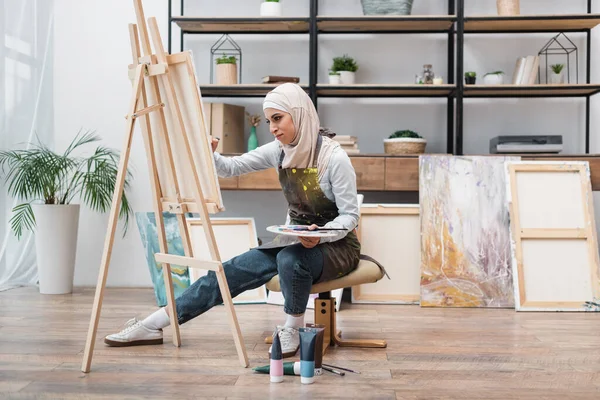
(226, 55)
(559, 49)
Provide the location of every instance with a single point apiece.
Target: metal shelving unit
(455, 24)
(523, 24)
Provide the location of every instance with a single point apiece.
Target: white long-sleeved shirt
(338, 183)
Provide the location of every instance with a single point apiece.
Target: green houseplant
(470, 77)
(46, 184)
(404, 142)
(346, 66)
(226, 70)
(557, 76)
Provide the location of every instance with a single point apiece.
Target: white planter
(55, 246)
(347, 77)
(270, 9)
(493, 79)
(334, 79)
(557, 79)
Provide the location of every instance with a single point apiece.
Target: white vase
(334, 79)
(270, 9)
(55, 246)
(556, 79)
(347, 77)
(493, 79)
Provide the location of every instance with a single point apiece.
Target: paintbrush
(317, 229)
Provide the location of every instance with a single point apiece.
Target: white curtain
(26, 93)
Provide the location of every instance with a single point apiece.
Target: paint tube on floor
(289, 368)
(307, 355)
(319, 329)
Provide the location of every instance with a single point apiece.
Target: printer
(526, 144)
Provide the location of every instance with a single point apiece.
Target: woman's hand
(214, 143)
(310, 242)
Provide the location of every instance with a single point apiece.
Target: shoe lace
(130, 325)
(286, 335)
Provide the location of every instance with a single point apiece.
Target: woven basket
(508, 7)
(404, 146)
(387, 7)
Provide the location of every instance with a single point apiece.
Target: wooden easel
(183, 184)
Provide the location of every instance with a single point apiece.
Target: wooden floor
(432, 353)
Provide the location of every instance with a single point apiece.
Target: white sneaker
(135, 334)
(290, 341)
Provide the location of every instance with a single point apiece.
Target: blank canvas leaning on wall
(234, 236)
(554, 246)
(390, 233)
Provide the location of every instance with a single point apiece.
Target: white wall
(92, 91)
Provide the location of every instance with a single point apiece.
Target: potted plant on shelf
(270, 8)
(226, 70)
(334, 78)
(404, 142)
(347, 67)
(46, 183)
(557, 76)
(470, 77)
(493, 78)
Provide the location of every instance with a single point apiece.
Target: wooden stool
(325, 311)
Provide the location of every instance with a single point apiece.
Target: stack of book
(526, 70)
(348, 143)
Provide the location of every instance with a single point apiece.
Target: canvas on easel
(167, 102)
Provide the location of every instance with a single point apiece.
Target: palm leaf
(23, 218)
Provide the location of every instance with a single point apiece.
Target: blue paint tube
(307, 355)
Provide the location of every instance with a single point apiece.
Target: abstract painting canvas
(465, 232)
(146, 222)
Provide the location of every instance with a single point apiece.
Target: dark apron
(308, 205)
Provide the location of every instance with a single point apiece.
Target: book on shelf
(526, 70)
(348, 143)
(280, 79)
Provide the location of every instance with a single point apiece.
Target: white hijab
(300, 153)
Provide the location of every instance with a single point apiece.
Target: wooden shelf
(242, 25)
(377, 90)
(531, 23)
(241, 90)
(383, 24)
(566, 90)
(381, 172)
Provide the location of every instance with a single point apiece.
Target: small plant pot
(508, 7)
(557, 79)
(227, 74)
(270, 9)
(470, 80)
(347, 77)
(335, 79)
(398, 146)
(493, 79)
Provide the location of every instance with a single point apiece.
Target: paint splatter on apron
(308, 205)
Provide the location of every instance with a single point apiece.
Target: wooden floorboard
(432, 353)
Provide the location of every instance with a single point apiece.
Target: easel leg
(237, 334)
(112, 223)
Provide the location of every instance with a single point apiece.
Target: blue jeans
(297, 266)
